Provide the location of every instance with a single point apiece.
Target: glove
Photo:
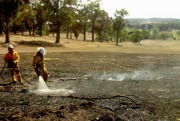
(37, 70)
(15, 62)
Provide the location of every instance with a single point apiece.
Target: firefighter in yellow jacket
(38, 63)
(12, 58)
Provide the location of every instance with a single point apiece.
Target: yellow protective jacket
(12, 59)
(39, 66)
(38, 61)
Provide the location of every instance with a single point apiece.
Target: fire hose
(19, 72)
(132, 104)
(3, 70)
(22, 76)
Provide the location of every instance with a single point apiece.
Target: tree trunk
(14, 29)
(53, 31)
(1, 32)
(84, 33)
(93, 31)
(7, 36)
(71, 35)
(117, 37)
(58, 33)
(67, 32)
(22, 32)
(1, 26)
(100, 37)
(7, 33)
(33, 29)
(30, 32)
(40, 30)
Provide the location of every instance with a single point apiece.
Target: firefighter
(12, 59)
(38, 63)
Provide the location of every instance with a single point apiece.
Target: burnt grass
(108, 86)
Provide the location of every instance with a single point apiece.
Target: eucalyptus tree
(25, 20)
(9, 10)
(55, 7)
(76, 25)
(69, 20)
(178, 34)
(103, 25)
(76, 28)
(155, 32)
(40, 8)
(83, 15)
(136, 36)
(94, 11)
(145, 34)
(61, 14)
(119, 22)
(166, 36)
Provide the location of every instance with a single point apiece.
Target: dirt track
(96, 82)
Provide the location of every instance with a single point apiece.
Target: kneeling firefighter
(12, 59)
(38, 63)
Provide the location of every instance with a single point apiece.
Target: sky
(143, 8)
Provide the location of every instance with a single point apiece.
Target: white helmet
(42, 50)
(10, 46)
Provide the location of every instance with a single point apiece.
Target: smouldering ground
(97, 81)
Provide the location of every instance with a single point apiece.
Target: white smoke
(135, 75)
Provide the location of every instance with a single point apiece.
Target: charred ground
(108, 86)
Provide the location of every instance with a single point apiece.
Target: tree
(83, 19)
(123, 35)
(55, 7)
(103, 26)
(59, 14)
(69, 19)
(136, 36)
(145, 34)
(119, 22)
(76, 27)
(1, 25)
(166, 36)
(178, 34)
(40, 13)
(9, 9)
(24, 20)
(155, 32)
(94, 11)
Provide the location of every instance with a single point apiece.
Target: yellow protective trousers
(16, 73)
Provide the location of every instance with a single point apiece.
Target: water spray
(44, 89)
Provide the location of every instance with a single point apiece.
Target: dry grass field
(147, 46)
(92, 81)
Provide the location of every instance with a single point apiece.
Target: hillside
(152, 20)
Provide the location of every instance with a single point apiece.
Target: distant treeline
(164, 24)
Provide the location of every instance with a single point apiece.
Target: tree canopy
(9, 10)
(41, 17)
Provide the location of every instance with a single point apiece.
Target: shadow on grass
(39, 43)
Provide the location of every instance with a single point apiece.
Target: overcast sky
(144, 8)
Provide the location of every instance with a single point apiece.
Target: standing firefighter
(12, 59)
(38, 63)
